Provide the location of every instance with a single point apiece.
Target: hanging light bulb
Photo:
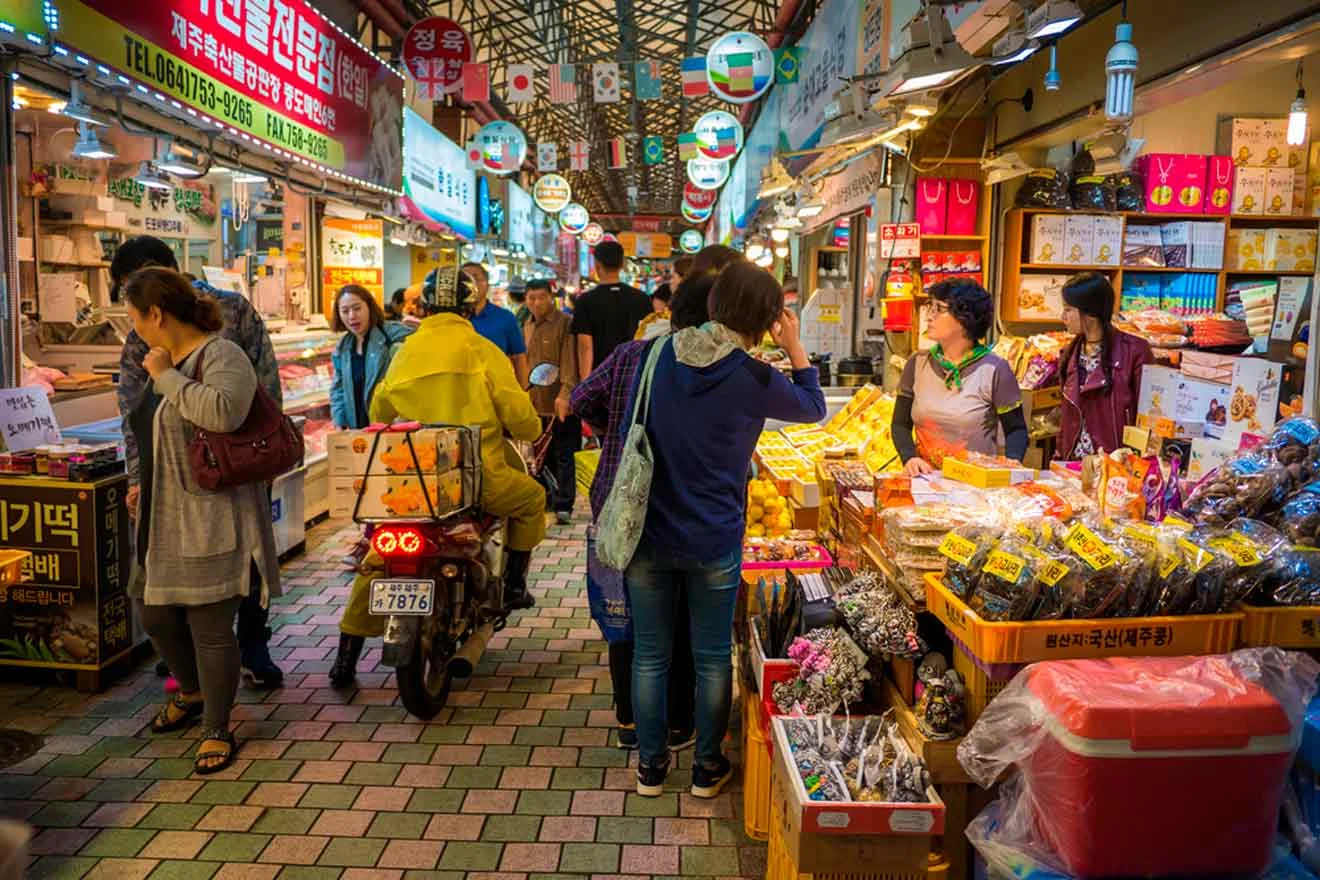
(781, 252)
(1297, 114)
(1121, 70)
(1053, 80)
(779, 234)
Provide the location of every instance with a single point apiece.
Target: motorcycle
(442, 590)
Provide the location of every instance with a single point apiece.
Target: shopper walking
(498, 325)
(1100, 371)
(955, 398)
(362, 355)
(137, 405)
(550, 344)
(709, 401)
(192, 585)
(607, 316)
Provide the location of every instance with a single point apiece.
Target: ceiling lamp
(1121, 71)
(151, 178)
(921, 108)
(791, 222)
(89, 145)
(1297, 114)
(774, 180)
(806, 212)
(754, 251)
(76, 107)
(1012, 48)
(174, 162)
(850, 128)
(1053, 80)
(781, 252)
(933, 59)
(765, 260)
(779, 235)
(1051, 18)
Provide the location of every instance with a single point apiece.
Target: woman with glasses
(954, 398)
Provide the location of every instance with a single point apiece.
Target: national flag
(687, 145)
(694, 77)
(563, 84)
(646, 81)
(579, 155)
(547, 156)
(476, 81)
(726, 142)
(742, 72)
(475, 156)
(618, 153)
(653, 149)
(521, 82)
(605, 82)
(788, 62)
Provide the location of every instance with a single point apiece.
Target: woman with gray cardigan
(200, 544)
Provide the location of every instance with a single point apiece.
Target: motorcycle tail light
(395, 541)
(449, 570)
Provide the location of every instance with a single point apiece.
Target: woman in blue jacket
(362, 356)
(709, 403)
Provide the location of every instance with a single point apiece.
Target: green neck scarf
(952, 371)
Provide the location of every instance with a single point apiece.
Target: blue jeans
(655, 579)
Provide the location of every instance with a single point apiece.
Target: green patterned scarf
(952, 371)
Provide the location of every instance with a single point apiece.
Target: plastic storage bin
(756, 769)
(780, 864)
(984, 681)
(1156, 766)
(1296, 627)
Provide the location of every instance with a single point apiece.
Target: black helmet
(455, 297)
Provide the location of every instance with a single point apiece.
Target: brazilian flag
(788, 62)
(653, 149)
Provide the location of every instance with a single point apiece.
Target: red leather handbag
(266, 445)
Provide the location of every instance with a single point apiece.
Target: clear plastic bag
(1008, 586)
(1301, 516)
(1295, 577)
(1247, 486)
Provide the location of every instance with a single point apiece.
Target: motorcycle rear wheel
(424, 681)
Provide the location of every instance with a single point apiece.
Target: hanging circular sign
(690, 241)
(434, 52)
(719, 135)
(739, 67)
(593, 234)
(708, 173)
(551, 193)
(697, 198)
(694, 216)
(498, 147)
(574, 218)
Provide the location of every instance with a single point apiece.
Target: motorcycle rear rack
(469, 468)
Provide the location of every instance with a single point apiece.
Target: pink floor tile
(413, 854)
(452, 826)
(530, 857)
(649, 859)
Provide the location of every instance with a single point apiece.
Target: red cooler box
(1157, 766)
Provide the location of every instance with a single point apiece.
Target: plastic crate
(1297, 627)
(983, 681)
(11, 566)
(760, 663)
(756, 770)
(780, 864)
(1030, 641)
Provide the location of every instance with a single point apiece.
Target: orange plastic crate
(1297, 627)
(756, 770)
(1031, 641)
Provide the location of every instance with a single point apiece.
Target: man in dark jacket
(137, 401)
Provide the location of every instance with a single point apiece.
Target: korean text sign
(26, 420)
(274, 69)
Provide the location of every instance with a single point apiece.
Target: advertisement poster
(189, 210)
(439, 189)
(829, 53)
(521, 224)
(275, 69)
(72, 610)
(352, 252)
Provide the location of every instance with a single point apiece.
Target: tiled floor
(515, 779)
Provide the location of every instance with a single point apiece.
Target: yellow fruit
(785, 521)
(755, 513)
(770, 521)
(773, 505)
(756, 494)
(756, 531)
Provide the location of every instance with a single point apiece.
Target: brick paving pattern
(516, 778)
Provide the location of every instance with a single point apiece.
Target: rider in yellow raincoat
(447, 373)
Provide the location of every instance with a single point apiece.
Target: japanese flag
(605, 81)
(475, 155)
(521, 82)
(547, 156)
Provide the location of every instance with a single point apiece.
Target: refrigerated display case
(306, 375)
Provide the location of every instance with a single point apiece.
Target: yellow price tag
(1005, 566)
(1177, 522)
(1240, 551)
(958, 548)
(1090, 547)
(1197, 557)
(1169, 565)
(1143, 536)
(1052, 572)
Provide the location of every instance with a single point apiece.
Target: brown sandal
(204, 754)
(189, 713)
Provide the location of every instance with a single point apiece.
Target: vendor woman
(957, 396)
(1099, 372)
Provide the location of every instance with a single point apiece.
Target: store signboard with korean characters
(522, 221)
(352, 252)
(276, 70)
(439, 189)
(848, 191)
(829, 56)
(188, 210)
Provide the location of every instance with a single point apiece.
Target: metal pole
(11, 365)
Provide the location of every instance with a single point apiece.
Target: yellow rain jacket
(446, 373)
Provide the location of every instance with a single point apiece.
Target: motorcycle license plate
(401, 597)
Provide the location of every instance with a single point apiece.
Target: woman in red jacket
(1100, 371)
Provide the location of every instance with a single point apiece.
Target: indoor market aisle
(516, 779)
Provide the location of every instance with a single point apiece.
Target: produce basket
(1292, 627)
(820, 560)
(1030, 641)
(780, 864)
(984, 681)
(11, 566)
(756, 769)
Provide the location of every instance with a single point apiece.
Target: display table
(70, 609)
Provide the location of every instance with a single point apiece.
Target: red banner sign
(434, 51)
(699, 199)
(647, 224)
(274, 69)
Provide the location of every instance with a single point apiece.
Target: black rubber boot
(344, 672)
(516, 595)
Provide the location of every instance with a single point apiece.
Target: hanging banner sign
(521, 223)
(438, 187)
(593, 234)
(848, 191)
(647, 224)
(189, 210)
(739, 67)
(708, 174)
(500, 147)
(574, 218)
(719, 135)
(699, 199)
(900, 241)
(352, 252)
(278, 71)
(690, 241)
(647, 245)
(551, 193)
(694, 216)
(24, 21)
(434, 52)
